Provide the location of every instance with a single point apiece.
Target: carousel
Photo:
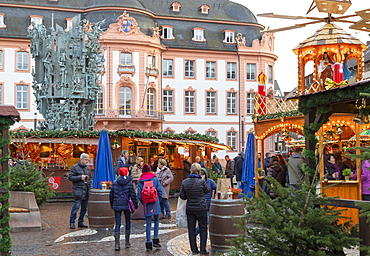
(329, 106)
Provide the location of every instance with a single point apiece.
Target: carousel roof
(329, 34)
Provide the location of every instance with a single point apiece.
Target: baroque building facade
(172, 66)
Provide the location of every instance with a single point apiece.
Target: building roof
(329, 34)
(223, 15)
(8, 110)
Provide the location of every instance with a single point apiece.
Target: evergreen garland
(276, 115)
(126, 133)
(5, 239)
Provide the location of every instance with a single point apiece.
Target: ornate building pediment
(126, 27)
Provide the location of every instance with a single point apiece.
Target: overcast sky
(286, 65)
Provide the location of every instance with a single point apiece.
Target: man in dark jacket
(238, 168)
(295, 171)
(193, 189)
(122, 160)
(229, 169)
(80, 175)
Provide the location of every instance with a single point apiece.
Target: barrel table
(100, 213)
(221, 222)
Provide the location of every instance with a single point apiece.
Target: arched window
(125, 100)
(150, 102)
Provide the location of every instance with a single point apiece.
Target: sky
(286, 65)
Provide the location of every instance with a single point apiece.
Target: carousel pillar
(358, 161)
(321, 152)
(310, 145)
(300, 75)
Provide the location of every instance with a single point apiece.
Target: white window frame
(150, 101)
(211, 69)
(167, 68)
(99, 105)
(22, 96)
(199, 35)
(22, 60)
(125, 95)
(231, 139)
(69, 24)
(270, 75)
(231, 103)
(167, 33)
(1, 59)
(251, 71)
(189, 68)
(231, 70)
(126, 59)
(211, 101)
(168, 101)
(250, 103)
(2, 20)
(151, 61)
(229, 37)
(189, 102)
(211, 133)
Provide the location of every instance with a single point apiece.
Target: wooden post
(310, 145)
(4, 167)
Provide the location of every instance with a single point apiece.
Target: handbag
(130, 204)
(181, 217)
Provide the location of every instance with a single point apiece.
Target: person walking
(193, 190)
(295, 170)
(165, 177)
(121, 191)
(122, 160)
(229, 169)
(136, 172)
(80, 175)
(238, 168)
(147, 184)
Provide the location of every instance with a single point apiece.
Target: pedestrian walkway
(56, 238)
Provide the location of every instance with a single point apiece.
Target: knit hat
(146, 168)
(123, 171)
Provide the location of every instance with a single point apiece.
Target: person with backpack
(165, 177)
(150, 195)
(120, 194)
(193, 190)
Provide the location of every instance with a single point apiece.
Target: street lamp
(35, 122)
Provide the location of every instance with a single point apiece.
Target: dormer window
(2, 20)
(204, 9)
(167, 33)
(229, 37)
(198, 35)
(69, 24)
(37, 19)
(176, 7)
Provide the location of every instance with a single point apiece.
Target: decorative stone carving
(66, 74)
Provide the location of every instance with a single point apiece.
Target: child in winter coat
(121, 190)
(150, 209)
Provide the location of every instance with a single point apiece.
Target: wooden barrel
(221, 222)
(100, 213)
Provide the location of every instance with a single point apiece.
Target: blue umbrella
(103, 164)
(248, 167)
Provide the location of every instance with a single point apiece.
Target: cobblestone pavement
(56, 238)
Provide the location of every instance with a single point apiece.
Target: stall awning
(66, 140)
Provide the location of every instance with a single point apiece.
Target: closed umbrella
(103, 170)
(248, 167)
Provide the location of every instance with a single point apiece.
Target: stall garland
(5, 239)
(140, 134)
(276, 115)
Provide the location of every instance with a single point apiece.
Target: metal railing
(129, 113)
(265, 105)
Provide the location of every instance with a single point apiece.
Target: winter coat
(213, 187)
(229, 170)
(136, 172)
(118, 201)
(186, 169)
(238, 167)
(121, 161)
(79, 187)
(150, 206)
(193, 189)
(365, 177)
(296, 173)
(217, 168)
(165, 177)
(276, 171)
